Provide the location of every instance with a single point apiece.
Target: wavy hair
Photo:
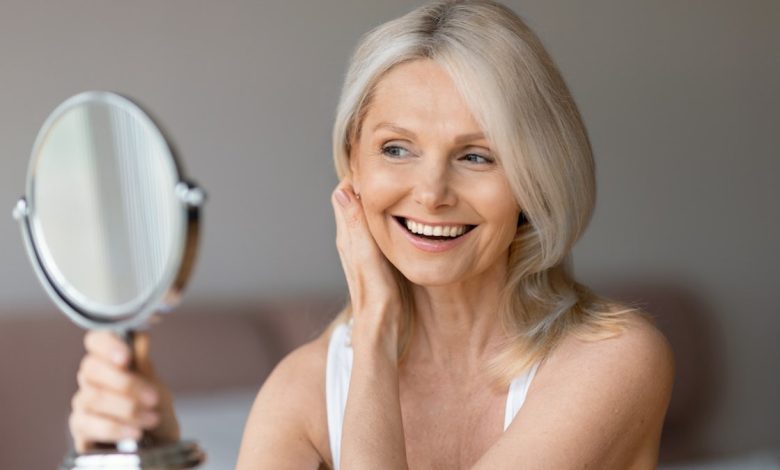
(523, 105)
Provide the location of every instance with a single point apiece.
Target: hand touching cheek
(373, 290)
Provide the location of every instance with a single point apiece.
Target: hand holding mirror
(111, 228)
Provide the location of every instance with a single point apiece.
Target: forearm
(373, 434)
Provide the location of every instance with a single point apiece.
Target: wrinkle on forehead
(420, 95)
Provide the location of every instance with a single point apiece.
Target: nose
(432, 186)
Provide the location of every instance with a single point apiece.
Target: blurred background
(681, 102)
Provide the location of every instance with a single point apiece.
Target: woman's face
(421, 164)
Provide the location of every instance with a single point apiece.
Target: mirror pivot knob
(21, 209)
(190, 195)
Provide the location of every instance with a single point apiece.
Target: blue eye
(477, 158)
(394, 151)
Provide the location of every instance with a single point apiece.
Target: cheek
(501, 210)
(380, 226)
(496, 200)
(375, 217)
(378, 185)
(378, 194)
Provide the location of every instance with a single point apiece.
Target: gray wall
(680, 98)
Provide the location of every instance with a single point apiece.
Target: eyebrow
(400, 130)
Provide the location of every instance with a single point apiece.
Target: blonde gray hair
(521, 101)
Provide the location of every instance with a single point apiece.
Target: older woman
(466, 177)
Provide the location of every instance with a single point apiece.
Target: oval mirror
(109, 221)
(111, 226)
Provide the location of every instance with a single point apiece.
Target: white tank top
(337, 373)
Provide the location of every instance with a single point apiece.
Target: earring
(357, 195)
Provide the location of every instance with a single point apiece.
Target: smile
(439, 232)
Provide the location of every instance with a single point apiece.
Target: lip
(432, 224)
(431, 246)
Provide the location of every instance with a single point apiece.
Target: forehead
(420, 94)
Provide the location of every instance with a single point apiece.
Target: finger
(346, 205)
(107, 345)
(94, 371)
(365, 267)
(121, 408)
(351, 232)
(351, 227)
(341, 201)
(89, 427)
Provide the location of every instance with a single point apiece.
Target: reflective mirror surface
(105, 217)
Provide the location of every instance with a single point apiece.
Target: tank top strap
(518, 390)
(337, 374)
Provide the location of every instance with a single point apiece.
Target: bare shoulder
(594, 403)
(613, 392)
(631, 372)
(287, 426)
(640, 356)
(640, 349)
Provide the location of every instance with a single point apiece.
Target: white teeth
(437, 231)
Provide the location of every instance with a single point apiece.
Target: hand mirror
(111, 227)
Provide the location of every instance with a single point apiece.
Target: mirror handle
(131, 445)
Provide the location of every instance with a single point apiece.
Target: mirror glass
(105, 217)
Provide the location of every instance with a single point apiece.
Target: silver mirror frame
(168, 293)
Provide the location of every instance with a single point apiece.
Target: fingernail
(342, 197)
(131, 432)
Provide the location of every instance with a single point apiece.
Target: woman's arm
(593, 404)
(373, 435)
(282, 425)
(285, 427)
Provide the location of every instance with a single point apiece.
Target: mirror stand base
(179, 455)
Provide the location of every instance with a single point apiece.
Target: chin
(431, 277)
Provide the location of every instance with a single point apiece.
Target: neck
(458, 326)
